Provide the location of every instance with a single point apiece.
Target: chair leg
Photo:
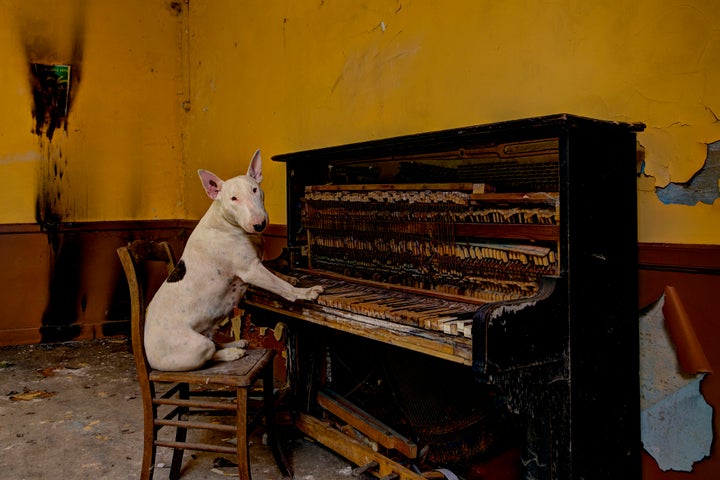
(243, 448)
(149, 435)
(180, 435)
(270, 426)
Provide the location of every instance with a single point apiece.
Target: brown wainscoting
(681, 265)
(704, 259)
(65, 282)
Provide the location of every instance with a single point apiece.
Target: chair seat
(237, 373)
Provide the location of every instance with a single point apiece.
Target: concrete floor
(72, 411)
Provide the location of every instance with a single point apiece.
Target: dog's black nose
(260, 227)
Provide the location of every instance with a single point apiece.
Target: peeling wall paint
(676, 420)
(703, 187)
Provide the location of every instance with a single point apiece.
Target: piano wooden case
(507, 249)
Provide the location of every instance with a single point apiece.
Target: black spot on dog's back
(178, 273)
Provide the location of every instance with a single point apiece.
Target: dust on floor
(73, 411)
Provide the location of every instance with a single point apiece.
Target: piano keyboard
(430, 313)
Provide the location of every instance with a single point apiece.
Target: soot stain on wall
(703, 187)
(54, 73)
(51, 103)
(50, 90)
(50, 206)
(59, 321)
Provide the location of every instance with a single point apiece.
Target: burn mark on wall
(50, 91)
(703, 187)
(51, 208)
(176, 6)
(59, 321)
(50, 60)
(54, 57)
(54, 54)
(51, 103)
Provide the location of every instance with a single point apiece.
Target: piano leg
(543, 409)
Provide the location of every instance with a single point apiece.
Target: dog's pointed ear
(255, 168)
(211, 183)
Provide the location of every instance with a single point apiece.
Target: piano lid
(423, 143)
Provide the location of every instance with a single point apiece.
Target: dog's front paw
(228, 354)
(311, 293)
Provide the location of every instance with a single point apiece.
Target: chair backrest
(146, 264)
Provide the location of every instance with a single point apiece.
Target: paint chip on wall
(703, 187)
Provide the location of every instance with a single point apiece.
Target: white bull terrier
(222, 256)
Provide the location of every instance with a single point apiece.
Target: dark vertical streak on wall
(59, 322)
(53, 91)
(50, 208)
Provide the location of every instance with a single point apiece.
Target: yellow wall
(287, 75)
(284, 75)
(121, 156)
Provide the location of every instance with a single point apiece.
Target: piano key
(399, 307)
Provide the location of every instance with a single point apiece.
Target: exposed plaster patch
(675, 419)
(369, 71)
(21, 158)
(703, 187)
(673, 153)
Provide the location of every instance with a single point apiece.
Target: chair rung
(189, 424)
(203, 447)
(194, 403)
(172, 391)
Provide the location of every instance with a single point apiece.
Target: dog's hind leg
(188, 350)
(236, 343)
(228, 354)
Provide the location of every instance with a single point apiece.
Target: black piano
(480, 299)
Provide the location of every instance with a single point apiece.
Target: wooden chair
(163, 391)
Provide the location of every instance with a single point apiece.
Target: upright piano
(480, 296)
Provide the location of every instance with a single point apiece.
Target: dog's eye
(234, 199)
(254, 189)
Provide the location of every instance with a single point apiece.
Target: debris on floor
(79, 404)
